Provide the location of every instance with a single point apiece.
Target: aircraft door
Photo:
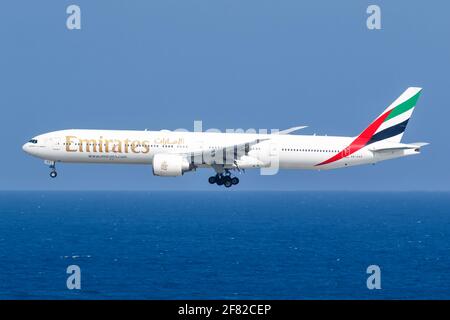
(272, 164)
(55, 143)
(273, 149)
(197, 158)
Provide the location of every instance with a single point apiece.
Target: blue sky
(231, 64)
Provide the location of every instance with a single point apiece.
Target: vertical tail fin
(391, 124)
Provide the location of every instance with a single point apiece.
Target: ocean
(224, 245)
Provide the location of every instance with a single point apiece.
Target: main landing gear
(52, 166)
(224, 179)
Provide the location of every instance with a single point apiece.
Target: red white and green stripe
(389, 126)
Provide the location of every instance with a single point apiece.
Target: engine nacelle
(246, 162)
(169, 165)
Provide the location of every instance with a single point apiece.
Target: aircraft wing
(229, 153)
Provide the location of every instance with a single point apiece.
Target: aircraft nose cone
(25, 147)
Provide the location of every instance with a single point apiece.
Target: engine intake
(170, 165)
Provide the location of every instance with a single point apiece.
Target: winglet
(290, 130)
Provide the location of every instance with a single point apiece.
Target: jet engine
(170, 165)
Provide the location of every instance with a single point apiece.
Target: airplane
(173, 153)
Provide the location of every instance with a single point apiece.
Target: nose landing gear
(224, 179)
(52, 166)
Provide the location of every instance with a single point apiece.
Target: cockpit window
(34, 141)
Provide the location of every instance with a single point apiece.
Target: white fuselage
(173, 153)
(140, 147)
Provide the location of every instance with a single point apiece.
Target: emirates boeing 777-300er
(172, 153)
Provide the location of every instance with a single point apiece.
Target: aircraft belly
(298, 161)
(92, 157)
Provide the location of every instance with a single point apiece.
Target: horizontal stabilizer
(420, 144)
(398, 147)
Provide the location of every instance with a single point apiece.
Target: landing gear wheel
(212, 180)
(224, 178)
(227, 181)
(53, 174)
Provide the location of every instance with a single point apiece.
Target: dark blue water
(278, 245)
